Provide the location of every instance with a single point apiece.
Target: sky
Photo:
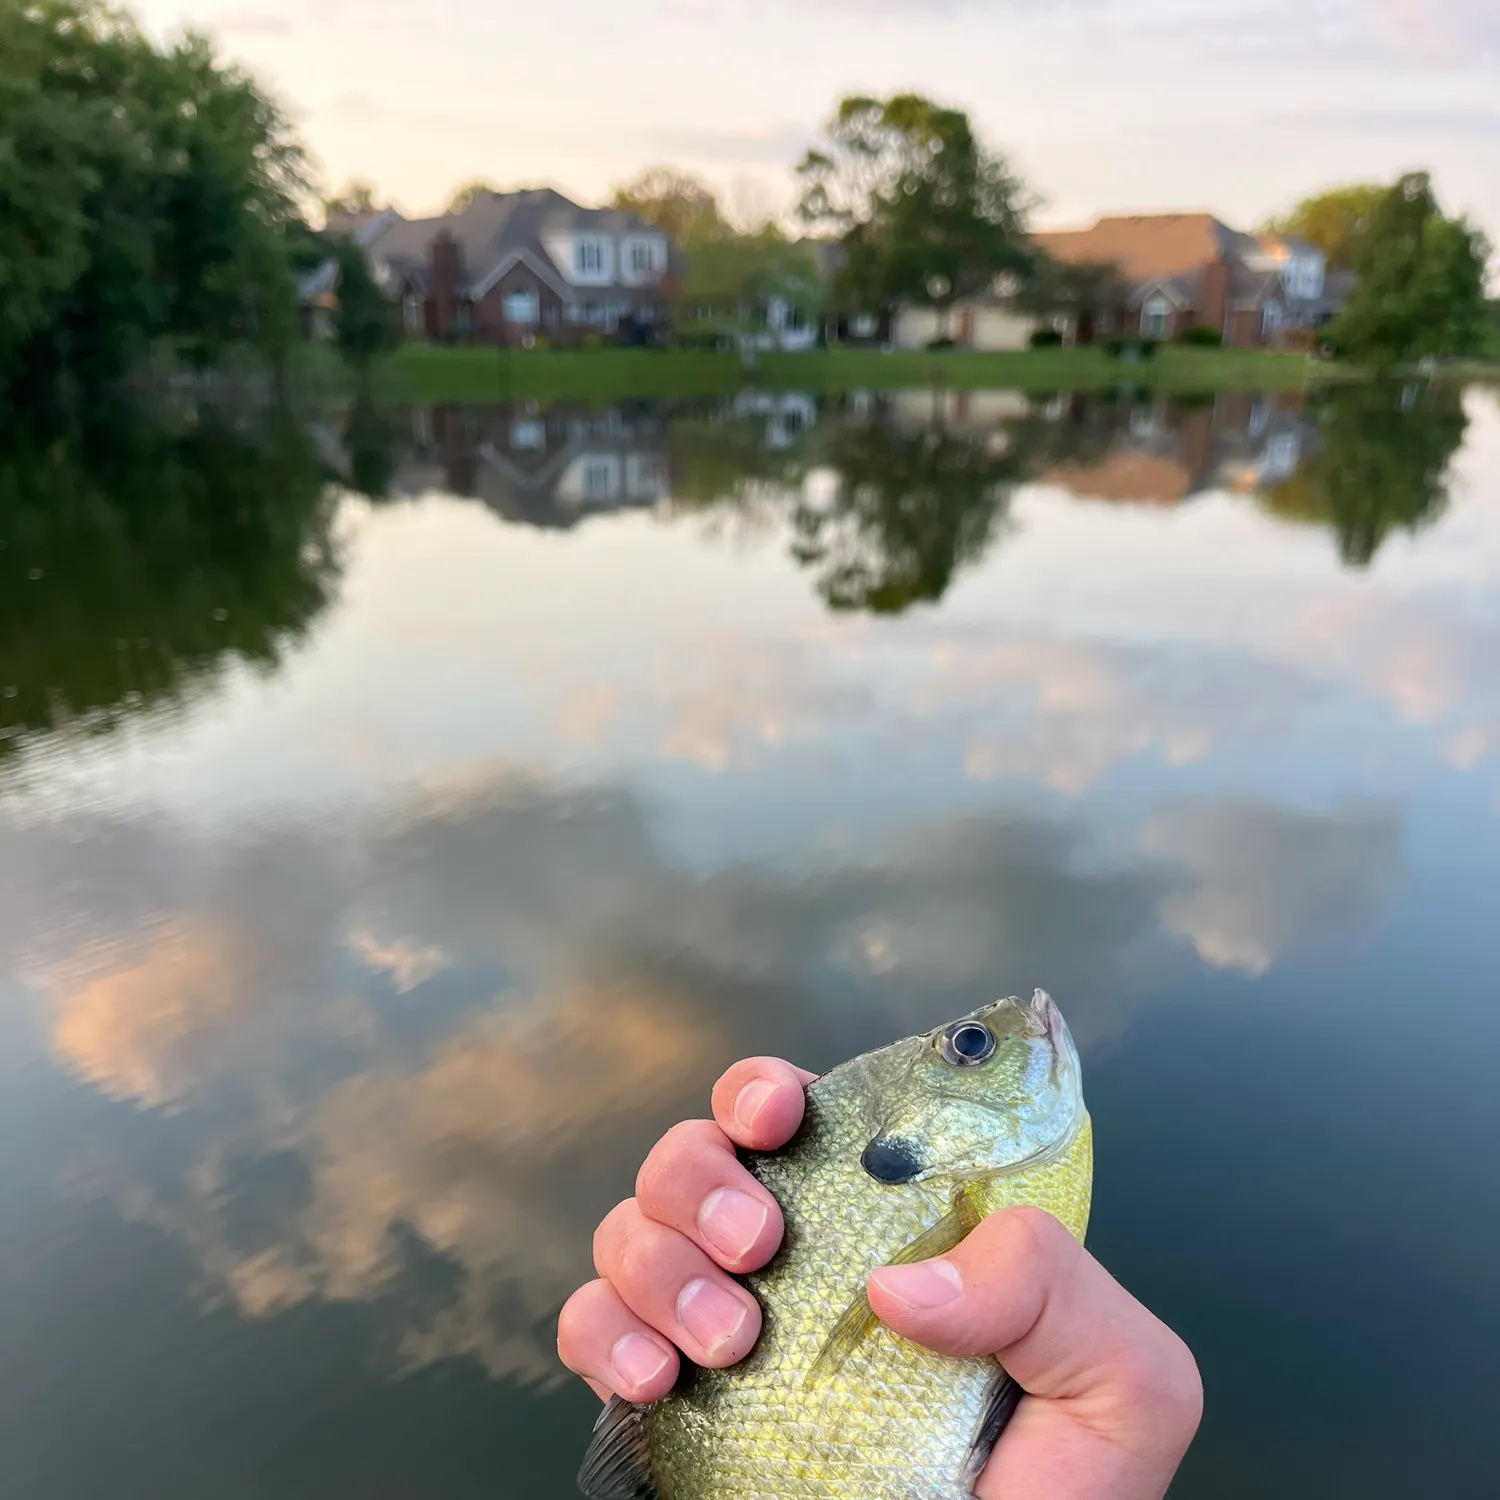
(1239, 106)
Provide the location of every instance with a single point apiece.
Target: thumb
(1022, 1289)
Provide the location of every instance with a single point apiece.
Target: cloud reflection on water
(420, 1089)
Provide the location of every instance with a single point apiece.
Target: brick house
(1193, 270)
(515, 268)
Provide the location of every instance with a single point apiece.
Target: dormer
(586, 259)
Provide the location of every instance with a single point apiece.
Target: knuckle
(613, 1233)
(664, 1162)
(574, 1324)
(1165, 1380)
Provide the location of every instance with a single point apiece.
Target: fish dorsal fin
(618, 1463)
(858, 1321)
(1001, 1397)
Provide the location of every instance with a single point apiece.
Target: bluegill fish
(902, 1152)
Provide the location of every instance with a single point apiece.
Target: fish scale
(892, 1421)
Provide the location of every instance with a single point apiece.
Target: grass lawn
(422, 372)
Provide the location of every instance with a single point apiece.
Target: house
(1193, 270)
(514, 268)
(1165, 452)
(990, 323)
(549, 468)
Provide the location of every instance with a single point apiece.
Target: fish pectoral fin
(1001, 1397)
(618, 1463)
(858, 1321)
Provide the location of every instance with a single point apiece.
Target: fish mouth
(892, 1161)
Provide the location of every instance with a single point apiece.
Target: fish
(901, 1154)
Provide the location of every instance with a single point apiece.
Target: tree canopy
(145, 193)
(463, 197)
(359, 196)
(1421, 281)
(1380, 463)
(677, 202)
(924, 211)
(1336, 220)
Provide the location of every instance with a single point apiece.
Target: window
(1156, 317)
(645, 256)
(598, 479)
(863, 325)
(411, 312)
(527, 435)
(1270, 319)
(793, 320)
(521, 307)
(591, 257)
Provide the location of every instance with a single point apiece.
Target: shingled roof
(494, 228)
(1149, 246)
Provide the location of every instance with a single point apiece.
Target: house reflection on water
(928, 472)
(549, 467)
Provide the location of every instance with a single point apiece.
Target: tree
(145, 194)
(923, 210)
(1380, 462)
(358, 197)
(1336, 221)
(908, 509)
(365, 322)
(730, 282)
(1421, 282)
(682, 205)
(464, 198)
(1085, 290)
(140, 559)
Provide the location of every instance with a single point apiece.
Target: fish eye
(967, 1044)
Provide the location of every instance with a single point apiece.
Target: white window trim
(1156, 312)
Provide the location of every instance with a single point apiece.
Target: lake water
(378, 878)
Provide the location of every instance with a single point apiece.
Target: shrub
(1201, 336)
(939, 345)
(1045, 338)
(1132, 350)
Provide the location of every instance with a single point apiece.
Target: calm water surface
(379, 876)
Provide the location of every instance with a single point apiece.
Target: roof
(1149, 246)
(498, 227)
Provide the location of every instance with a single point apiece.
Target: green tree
(464, 197)
(682, 205)
(730, 282)
(145, 194)
(909, 508)
(924, 211)
(365, 321)
(1421, 282)
(1336, 221)
(358, 196)
(1380, 463)
(139, 560)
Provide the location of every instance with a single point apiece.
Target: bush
(937, 346)
(1045, 338)
(1201, 337)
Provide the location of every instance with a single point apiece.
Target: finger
(759, 1102)
(693, 1182)
(599, 1338)
(670, 1284)
(1123, 1397)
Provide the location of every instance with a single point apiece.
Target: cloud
(453, 1036)
(1263, 880)
(1066, 712)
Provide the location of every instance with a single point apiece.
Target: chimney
(1213, 297)
(445, 281)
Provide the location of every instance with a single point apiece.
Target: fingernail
(731, 1221)
(711, 1313)
(638, 1360)
(931, 1283)
(751, 1100)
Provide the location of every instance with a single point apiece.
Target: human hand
(1113, 1394)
